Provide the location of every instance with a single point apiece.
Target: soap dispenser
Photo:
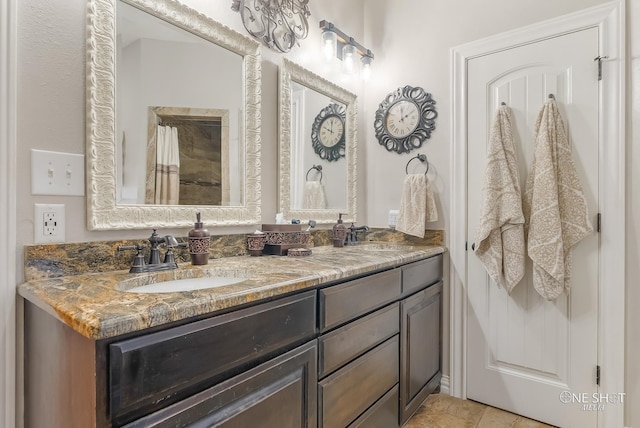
(199, 241)
(339, 232)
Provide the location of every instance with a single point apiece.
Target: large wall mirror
(317, 170)
(173, 118)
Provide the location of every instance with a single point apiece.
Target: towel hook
(422, 158)
(551, 96)
(317, 168)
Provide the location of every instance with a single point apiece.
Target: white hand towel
(555, 206)
(417, 205)
(314, 197)
(500, 235)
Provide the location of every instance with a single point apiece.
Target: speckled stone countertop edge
(97, 307)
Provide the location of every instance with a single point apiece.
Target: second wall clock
(405, 119)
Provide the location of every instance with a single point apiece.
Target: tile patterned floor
(443, 411)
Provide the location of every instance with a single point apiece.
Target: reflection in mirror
(186, 128)
(154, 61)
(316, 189)
(200, 171)
(316, 116)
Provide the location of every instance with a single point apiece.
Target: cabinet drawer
(344, 302)
(152, 371)
(421, 274)
(286, 383)
(347, 393)
(383, 414)
(346, 343)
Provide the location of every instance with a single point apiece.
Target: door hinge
(598, 375)
(465, 246)
(598, 222)
(599, 60)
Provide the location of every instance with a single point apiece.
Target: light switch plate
(54, 173)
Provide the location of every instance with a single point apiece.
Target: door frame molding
(8, 180)
(609, 19)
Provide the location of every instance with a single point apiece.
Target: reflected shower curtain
(167, 166)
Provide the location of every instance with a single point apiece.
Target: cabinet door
(280, 393)
(420, 345)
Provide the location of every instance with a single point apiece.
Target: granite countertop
(98, 307)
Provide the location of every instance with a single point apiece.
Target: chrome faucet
(154, 264)
(352, 234)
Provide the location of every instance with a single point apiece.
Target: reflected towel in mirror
(314, 197)
(167, 166)
(417, 205)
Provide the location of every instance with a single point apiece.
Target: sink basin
(187, 284)
(175, 281)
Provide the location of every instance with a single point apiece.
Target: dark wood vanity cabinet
(365, 352)
(229, 368)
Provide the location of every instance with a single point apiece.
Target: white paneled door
(525, 354)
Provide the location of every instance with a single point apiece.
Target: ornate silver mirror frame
(291, 72)
(103, 213)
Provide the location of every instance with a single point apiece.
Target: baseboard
(444, 385)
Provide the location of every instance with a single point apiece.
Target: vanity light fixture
(337, 43)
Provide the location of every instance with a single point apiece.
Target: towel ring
(317, 168)
(422, 158)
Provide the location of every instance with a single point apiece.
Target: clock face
(328, 132)
(402, 118)
(331, 131)
(405, 119)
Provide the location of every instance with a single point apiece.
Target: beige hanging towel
(313, 196)
(417, 205)
(555, 206)
(500, 236)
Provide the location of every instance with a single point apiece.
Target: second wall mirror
(317, 168)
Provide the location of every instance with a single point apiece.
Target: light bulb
(348, 58)
(366, 66)
(329, 43)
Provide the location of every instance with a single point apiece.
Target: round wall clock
(328, 133)
(405, 119)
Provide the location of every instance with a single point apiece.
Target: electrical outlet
(49, 224)
(393, 218)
